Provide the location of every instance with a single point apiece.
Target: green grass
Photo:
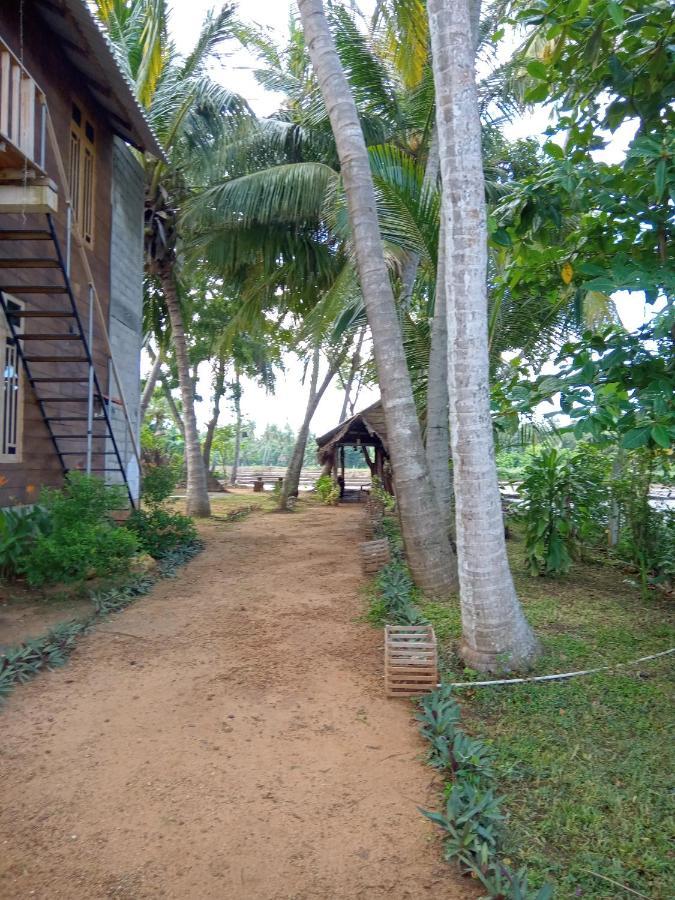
(585, 765)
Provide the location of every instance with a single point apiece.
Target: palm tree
(187, 110)
(495, 633)
(428, 549)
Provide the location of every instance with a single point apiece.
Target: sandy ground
(225, 737)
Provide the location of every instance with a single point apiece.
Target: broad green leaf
(537, 94)
(616, 13)
(537, 69)
(660, 178)
(636, 437)
(661, 436)
(554, 150)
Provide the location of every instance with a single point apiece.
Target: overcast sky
(235, 71)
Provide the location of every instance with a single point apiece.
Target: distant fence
(662, 496)
(247, 475)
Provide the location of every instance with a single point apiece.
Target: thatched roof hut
(364, 431)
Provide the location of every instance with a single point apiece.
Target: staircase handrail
(79, 243)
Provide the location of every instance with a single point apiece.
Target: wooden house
(71, 251)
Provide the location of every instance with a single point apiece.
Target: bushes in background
(574, 500)
(157, 530)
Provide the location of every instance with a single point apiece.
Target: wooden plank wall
(20, 482)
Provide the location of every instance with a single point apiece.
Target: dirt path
(226, 737)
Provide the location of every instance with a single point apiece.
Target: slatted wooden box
(410, 660)
(374, 555)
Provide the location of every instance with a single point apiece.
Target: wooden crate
(410, 660)
(374, 556)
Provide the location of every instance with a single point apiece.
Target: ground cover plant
(583, 765)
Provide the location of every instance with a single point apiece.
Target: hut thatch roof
(366, 428)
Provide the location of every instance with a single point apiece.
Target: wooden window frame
(82, 172)
(5, 337)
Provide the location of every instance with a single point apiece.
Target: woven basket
(374, 556)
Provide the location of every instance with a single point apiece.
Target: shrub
(565, 505)
(159, 532)
(328, 490)
(79, 551)
(19, 529)
(82, 540)
(159, 482)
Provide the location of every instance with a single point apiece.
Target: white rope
(557, 677)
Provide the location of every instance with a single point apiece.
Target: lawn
(586, 764)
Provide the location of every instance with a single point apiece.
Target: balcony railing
(23, 117)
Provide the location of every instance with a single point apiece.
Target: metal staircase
(79, 425)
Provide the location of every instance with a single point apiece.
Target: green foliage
(84, 499)
(472, 818)
(328, 490)
(159, 483)
(379, 493)
(565, 502)
(81, 540)
(78, 551)
(471, 822)
(395, 589)
(160, 532)
(18, 530)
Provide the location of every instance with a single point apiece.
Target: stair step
(25, 234)
(73, 419)
(64, 359)
(41, 314)
(29, 263)
(72, 379)
(49, 337)
(32, 289)
(65, 399)
(82, 452)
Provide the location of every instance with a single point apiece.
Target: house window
(11, 393)
(82, 172)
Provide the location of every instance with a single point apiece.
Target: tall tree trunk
(237, 436)
(427, 546)
(412, 261)
(197, 493)
(495, 633)
(151, 381)
(316, 392)
(438, 423)
(353, 369)
(614, 523)
(218, 391)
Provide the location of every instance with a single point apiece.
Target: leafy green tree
(187, 110)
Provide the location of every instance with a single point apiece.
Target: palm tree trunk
(495, 633)
(151, 381)
(237, 435)
(412, 261)
(294, 469)
(218, 391)
(353, 369)
(197, 493)
(427, 546)
(438, 423)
